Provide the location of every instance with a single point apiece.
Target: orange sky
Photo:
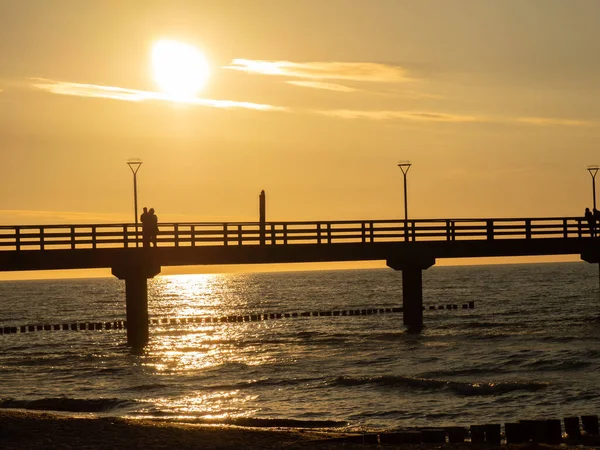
(494, 103)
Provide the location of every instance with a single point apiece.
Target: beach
(42, 430)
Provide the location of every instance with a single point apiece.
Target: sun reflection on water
(193, 353)
(213, 405)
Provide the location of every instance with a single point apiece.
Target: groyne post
(136, 276)
(412, 267)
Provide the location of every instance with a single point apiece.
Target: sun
(179, 69)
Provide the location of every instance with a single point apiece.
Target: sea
(529, 349)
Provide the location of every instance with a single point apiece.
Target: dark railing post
(93, 237)
(239, 230)
(72, 238)
(448, 231)
(565, 229)
(17, 238)
(273, 234)
(453, 230)
(413, 230)
(490, 230)
(41, 238)
(579, 228)
(225, 237)
(406, 237)
(318, 233)
(285, 233)
(329, 233)
(363, 232)
(193, 235)
(528, 229)
(125, 237)
(371, 237)
(176, 233)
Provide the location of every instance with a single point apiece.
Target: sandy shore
(38, 430)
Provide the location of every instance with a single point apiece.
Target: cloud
(321, 85)
(429, 116)
(134, 95)
(355, 71)
(401, 115)
(545, 121)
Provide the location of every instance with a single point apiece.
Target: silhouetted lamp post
(134, 164)
(404, 166)
(593, 170)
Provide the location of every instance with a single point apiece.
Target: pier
(410, 246)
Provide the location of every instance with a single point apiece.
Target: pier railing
(74, 237)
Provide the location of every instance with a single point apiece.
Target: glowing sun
(180, 70)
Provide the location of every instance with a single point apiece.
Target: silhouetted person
(589, 217)
(153, 226)
(146, 228)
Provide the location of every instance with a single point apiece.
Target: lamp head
(404, 166)
(134, 164)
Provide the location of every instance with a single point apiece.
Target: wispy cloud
(325, 86)
(401, 115)
(545, 121)
(134, 95)
(355, 71)
(431, 116)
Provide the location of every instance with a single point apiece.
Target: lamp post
(404, 166)
(593, 170)
(134, 164)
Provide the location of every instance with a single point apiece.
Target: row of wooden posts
(122, 324)
(546, 431)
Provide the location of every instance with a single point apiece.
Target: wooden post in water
(412, 287)
(136, 274)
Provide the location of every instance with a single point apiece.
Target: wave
(94, 405)
(265, 423)
(463, 388)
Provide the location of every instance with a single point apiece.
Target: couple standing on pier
(149, 226)
(592, 218)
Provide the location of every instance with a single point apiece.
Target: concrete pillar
(412, 299)
(136, 297)
(412, 287)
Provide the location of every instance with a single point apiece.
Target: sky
(495, 104)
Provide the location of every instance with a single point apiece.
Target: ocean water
(529, 349)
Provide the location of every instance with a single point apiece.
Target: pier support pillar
(412, 288)
(136, 298)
